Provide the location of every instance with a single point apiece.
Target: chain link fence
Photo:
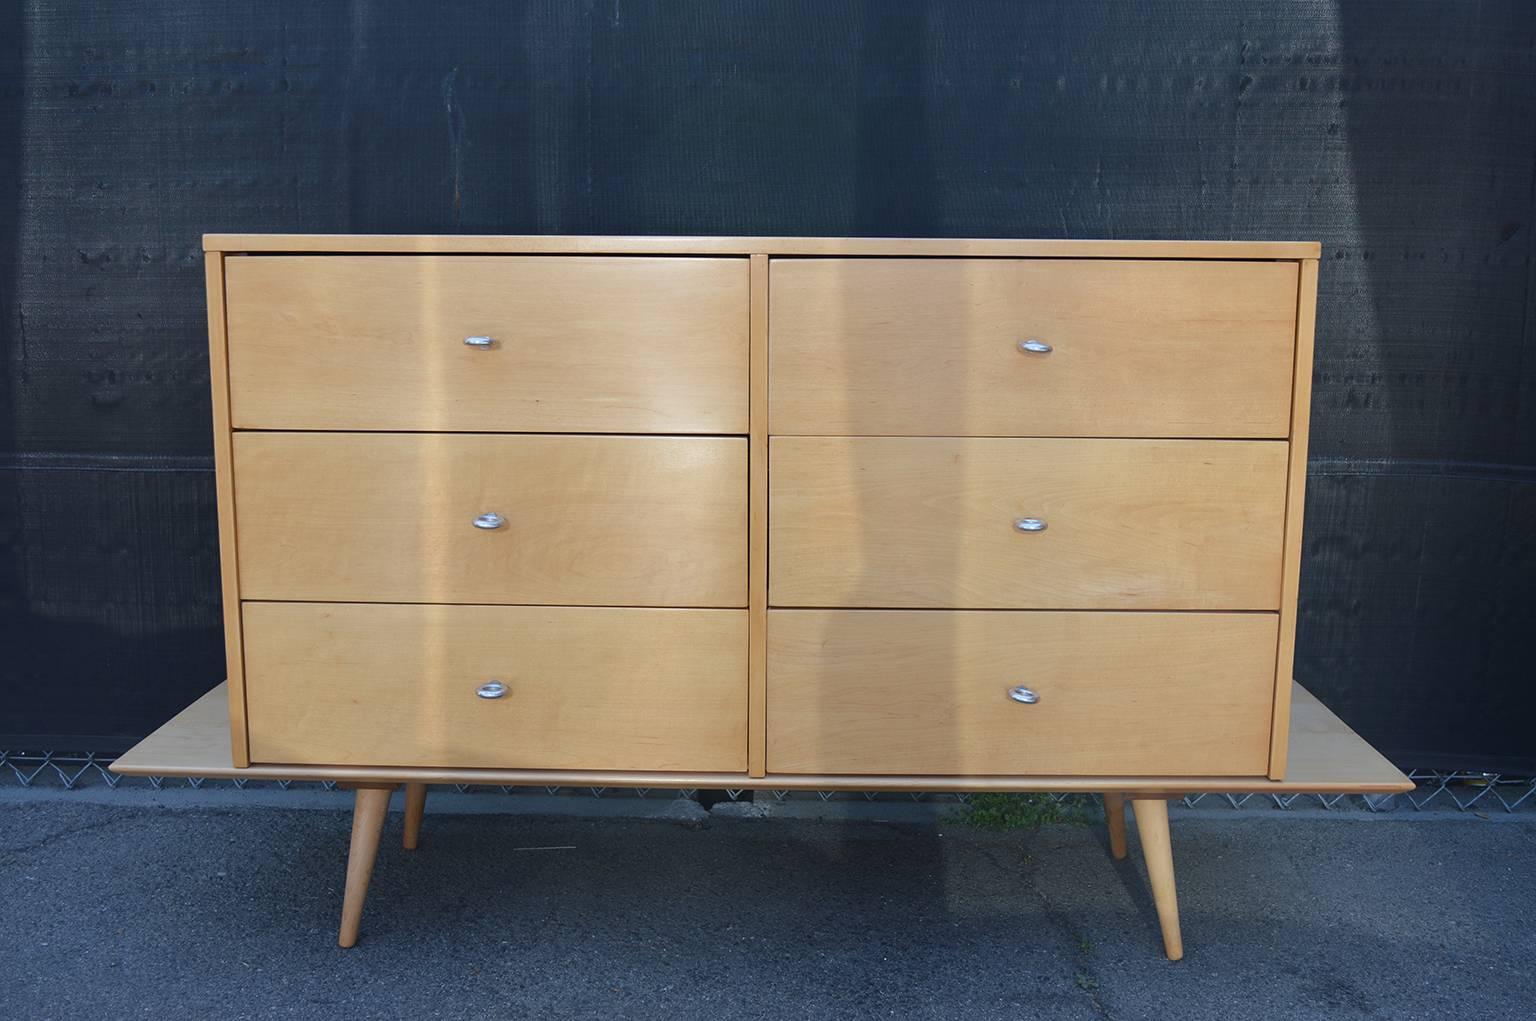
(1458, 791)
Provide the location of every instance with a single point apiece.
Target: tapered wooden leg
(415, 805)
(368, 813)
(1156, 848)
(1114, 814)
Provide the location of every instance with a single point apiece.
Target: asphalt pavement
(129, 906)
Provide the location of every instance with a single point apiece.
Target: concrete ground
(133, 905)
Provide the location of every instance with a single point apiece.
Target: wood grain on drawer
(914, 692)
(581, 344)
(931, 522)
(930, 347)
(388, 517)
(586, 687)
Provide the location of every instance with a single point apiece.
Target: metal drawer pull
(491, 689)
(490, 521)
(480, 342)
(1029, 525)
(1024, 695)
(1035, 347)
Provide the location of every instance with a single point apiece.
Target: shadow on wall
(105, 547)
(894, 185)
(1419, 575)
(13, 633)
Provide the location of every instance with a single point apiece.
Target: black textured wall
(1402, 134)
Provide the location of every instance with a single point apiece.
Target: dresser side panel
(224, 485)
(1295, 504)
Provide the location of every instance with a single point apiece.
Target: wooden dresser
(768, 513)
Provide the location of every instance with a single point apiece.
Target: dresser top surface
(511, 244)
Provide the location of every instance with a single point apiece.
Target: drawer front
(604, 520)
(584, 687)
(579, 344)
(928, 693)
(911, 347)
(934, 522)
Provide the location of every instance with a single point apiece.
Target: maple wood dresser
(775, 513)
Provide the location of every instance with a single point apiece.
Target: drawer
(911, 347)
(579, 344)
(928, 693)
(932, 522)
(585, 687)
(386, 517)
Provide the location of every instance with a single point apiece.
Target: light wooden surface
(1114, 818)
(1295, 504)
(581, 344)
(757, 529)
(929, 522)
(1057, 248)
(587, 688)
(926, 692)
(415, 808)
(912, 338)
(917, 347)
(601, 520)
(224, 490)
(1157, 850)
(370, 807)
(1203, 349)
(1326, 758)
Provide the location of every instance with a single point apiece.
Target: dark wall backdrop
(1402, 134)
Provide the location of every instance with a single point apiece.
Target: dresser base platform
(1326, 757)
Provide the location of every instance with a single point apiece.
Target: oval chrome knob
(1035, 347)
(1029, 525)
(490, 521)
(480, 342)
(1024, 695)
(491, 689)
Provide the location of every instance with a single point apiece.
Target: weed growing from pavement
(1005, 812)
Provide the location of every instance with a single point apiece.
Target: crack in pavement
(1085, 978)
(12, 855)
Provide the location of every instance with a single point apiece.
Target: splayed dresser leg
(1114, 815)
(1152, 826)
(368, 812)
(415, 806)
